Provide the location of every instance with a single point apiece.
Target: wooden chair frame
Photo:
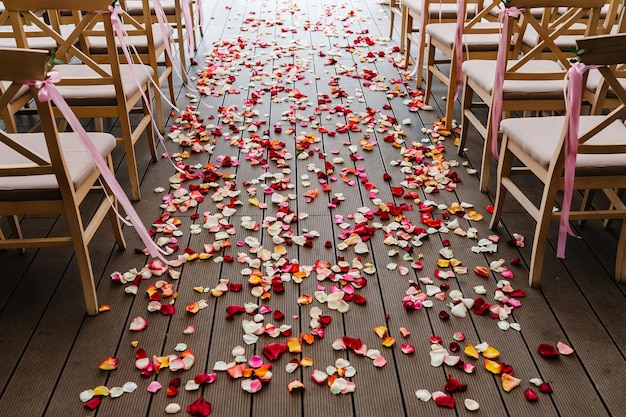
(578, 10)
(21, 65)
(127, 94)
(177, 20)
(142, 37)
(471, 27)
(608, 50)
(417, 35)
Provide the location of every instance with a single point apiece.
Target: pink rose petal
(564, 349)
(154, 386)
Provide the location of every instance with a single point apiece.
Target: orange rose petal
(404, 332)
(104, 307)
(294, 346)
(308, 338)
(491, 353)
(493, 367)
(381, 331)
(470, 351)
(389, 341)
(509, 382)
(109, 364)
(306, 362)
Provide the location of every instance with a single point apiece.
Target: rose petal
(443, 400)
(530, 395)
(138, 324)
(154, 386)
(423, 395)
(471, 405)
(564, 349)
(509, 382)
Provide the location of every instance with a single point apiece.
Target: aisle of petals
(312, 135)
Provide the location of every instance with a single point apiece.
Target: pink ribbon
(49, 92)
(501, 62)
(573, 100)
(120, 34)
(458, 46)
(189, 27)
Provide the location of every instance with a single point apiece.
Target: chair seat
(100, 95)
(98, 45)
(445, 33)
(45, 187)
(445, 11)
(7, 39)
(539, 138)
(482, 72)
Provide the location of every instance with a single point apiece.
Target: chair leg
(541, 232)
(485, 167)
(182, 54)
(504, 172)
(113, 210)
(429, 74)
(158, 109)
(405, 42)
(450, 95)
(421, 47)
(466, 106)
(392, 19)
(149, 131)
(82, 257)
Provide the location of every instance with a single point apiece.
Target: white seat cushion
(100, 95)
(539, 137)
(44, 187)
(445, 33)
(483, 73)
(438, 10)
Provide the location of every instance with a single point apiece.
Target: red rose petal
(199, 408)
(444, 401)
(545, 388)
(274, 350)
(530, 395)
(547, 351)
(93, 403)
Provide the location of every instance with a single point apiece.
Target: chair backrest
(86, 14)
(23, 65)
(609, 52)
(549, 28)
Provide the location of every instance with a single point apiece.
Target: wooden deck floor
(50, 349)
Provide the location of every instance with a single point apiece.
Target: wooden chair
(95, 90)
(599, 163)
(51, 173)
(437, 11)
(148, 46)
(480, 41)
(532, 83)
(7, 40)
(175, 16)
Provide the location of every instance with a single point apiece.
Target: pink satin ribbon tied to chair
(458, 46)
(573, 102)
(503, 50)
(49, 92)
